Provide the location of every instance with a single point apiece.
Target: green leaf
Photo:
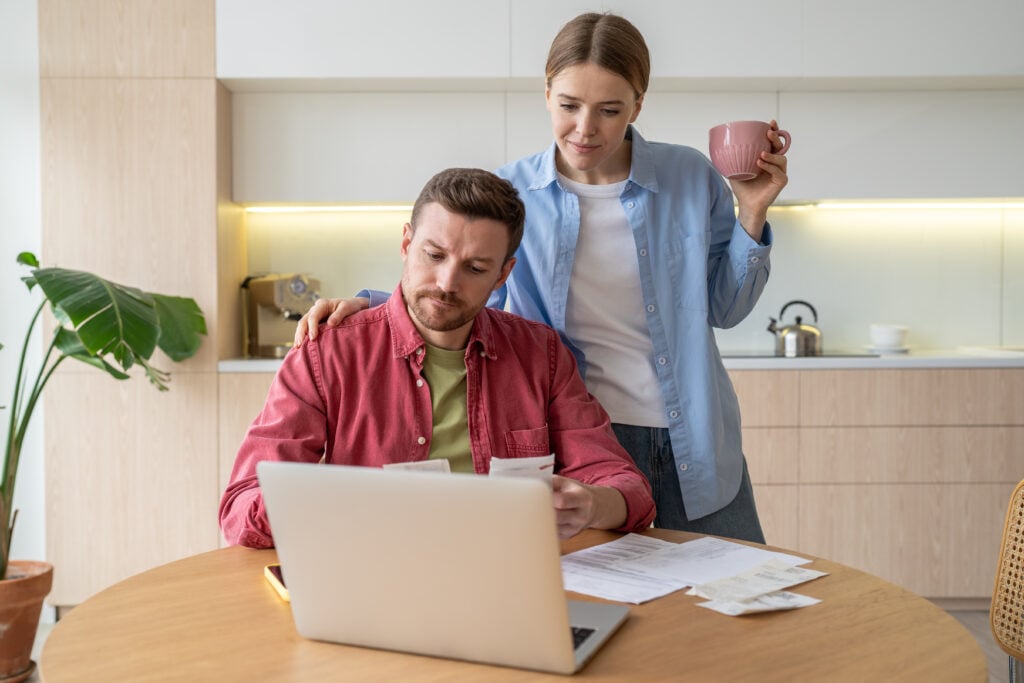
(68, 343)
(108, 317)
(181, 323)
(27, 258)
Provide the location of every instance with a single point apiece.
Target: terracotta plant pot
(21, 599)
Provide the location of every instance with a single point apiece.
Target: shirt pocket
(527, 443)
(687, 270)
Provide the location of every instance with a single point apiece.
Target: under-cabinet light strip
(918, 205)
(341, 208)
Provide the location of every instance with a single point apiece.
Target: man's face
(452, 264)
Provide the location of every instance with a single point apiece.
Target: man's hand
(334, 310)
(581, 506)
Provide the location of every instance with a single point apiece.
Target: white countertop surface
(961, 357)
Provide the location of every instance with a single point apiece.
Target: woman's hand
(329, 311)
(754, 196)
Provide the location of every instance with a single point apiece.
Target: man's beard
(425, 314)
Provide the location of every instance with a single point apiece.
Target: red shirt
(357, 396)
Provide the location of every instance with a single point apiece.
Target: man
(433, 373)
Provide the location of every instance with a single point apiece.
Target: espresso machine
(271, 305)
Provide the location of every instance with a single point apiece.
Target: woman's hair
(475, 193)
(607, 40)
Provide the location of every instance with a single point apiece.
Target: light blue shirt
(698, 269)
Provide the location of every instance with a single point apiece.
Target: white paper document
(772, 602)
(639, 568)
(434, 465)
(539, 467)
(774, 575)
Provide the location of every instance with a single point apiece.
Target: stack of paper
(639, 568)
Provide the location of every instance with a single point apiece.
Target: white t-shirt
(605, 310)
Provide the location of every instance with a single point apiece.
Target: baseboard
(962, 604)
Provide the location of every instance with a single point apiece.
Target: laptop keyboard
(580, 634)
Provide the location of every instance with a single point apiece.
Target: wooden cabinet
(902, 473)
(135, 151)
(242, 395)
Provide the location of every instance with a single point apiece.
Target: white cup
(888, 336)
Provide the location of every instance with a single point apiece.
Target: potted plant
(97, 321)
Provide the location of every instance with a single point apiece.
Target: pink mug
(735, 147)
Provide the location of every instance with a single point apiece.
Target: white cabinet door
(358, 147)
(903, 144)
(913, 38)
(327, 39)
(742, 38)
(679, 118)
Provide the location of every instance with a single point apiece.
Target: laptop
(460, 566)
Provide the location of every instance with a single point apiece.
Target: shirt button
(419, 351)
(755, 259)
(674, 414)
(483, 353)
(643, 252)
(684, 467)
(421, 440)
(419, 383)
(650, 308)
(663, 361)
(630, 204)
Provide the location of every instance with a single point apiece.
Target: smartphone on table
(273, 575)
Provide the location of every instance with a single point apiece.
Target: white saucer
(887, 349)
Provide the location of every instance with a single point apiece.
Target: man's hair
(607, 40)
(475, 193)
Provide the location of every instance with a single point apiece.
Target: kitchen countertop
(961, 357)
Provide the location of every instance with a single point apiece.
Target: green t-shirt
(445, 372)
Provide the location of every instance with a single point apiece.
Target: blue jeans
(651, 450)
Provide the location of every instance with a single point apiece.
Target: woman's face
(590, 109)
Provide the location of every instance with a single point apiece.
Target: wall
(19, 231)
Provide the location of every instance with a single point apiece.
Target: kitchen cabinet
(668, 116)
(359, 147)
(377, 150)
(904, 144)
(270, 43)
(901, 473)
(686, 39)
(386, 39)
(242, 396)
(911, 39)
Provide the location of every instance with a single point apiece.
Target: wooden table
(213, 617)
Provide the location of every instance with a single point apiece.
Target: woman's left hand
(754, 196)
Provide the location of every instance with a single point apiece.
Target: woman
(641, 326)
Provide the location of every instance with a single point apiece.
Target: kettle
(797, 339)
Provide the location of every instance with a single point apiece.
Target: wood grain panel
(911, 455)
(937, 540)
(773, 454)
(242, 396)
(947, 397)
(768, 398)
(778, 507)
(138, 38)
(232, 250)
(131, 477)
(129, 186)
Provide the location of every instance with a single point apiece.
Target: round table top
(214, 617)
